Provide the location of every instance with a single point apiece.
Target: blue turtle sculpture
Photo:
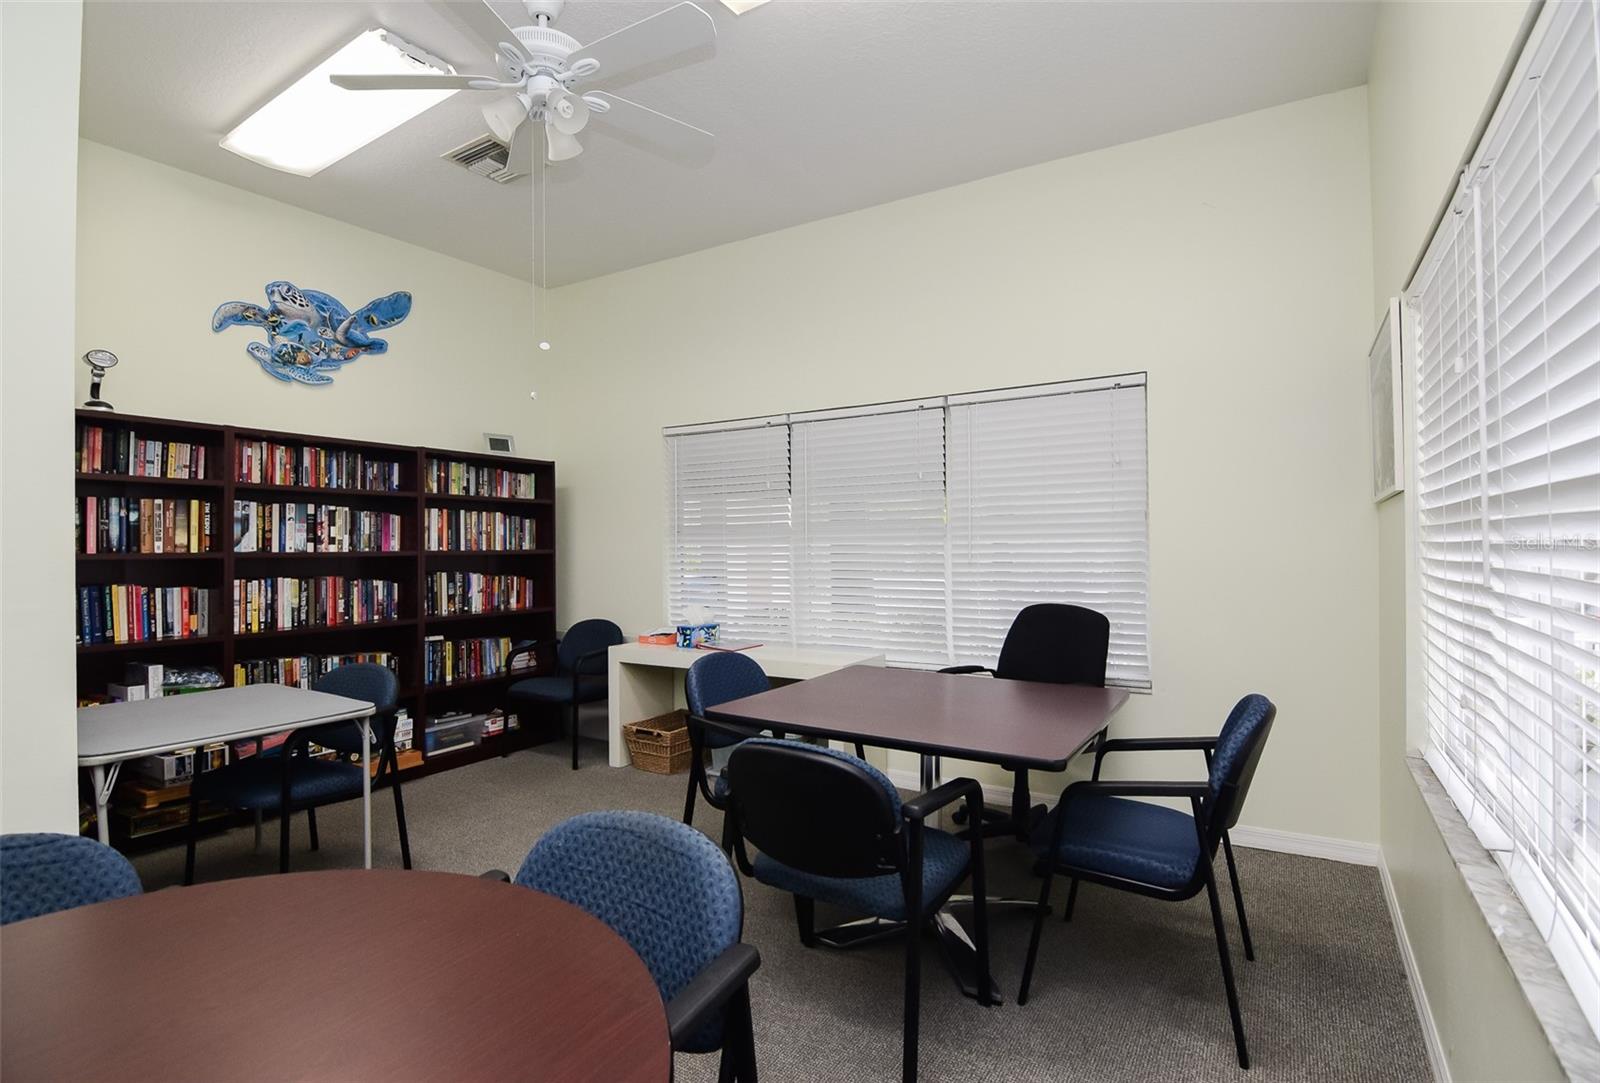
(309, 334)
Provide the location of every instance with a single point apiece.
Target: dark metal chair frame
(1214, 813)
(853, 833)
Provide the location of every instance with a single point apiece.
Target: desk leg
(366, 791)
(104, 779)
(635, 693)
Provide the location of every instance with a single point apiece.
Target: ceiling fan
(540, 72)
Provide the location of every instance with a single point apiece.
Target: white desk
(115, 732)
(642, 678)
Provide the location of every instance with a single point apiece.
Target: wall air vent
(486, 156)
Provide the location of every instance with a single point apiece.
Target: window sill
(1551, 998)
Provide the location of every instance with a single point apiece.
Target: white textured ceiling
(820, 107)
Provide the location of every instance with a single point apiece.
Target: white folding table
(116, 732)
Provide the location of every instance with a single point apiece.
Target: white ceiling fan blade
(404, 82)
(631, 118)
(667, 33)
(491, 23)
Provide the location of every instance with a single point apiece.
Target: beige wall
(1432, 72)
(159, 249)
(39, 46)
(1231, 261)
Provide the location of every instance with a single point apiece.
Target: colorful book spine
(448, 661)
(469, 530)
(313, 528)
(285, 603)
(136, 612)
(452, 593)
(122, 451)
(465, 479)
(262, 462)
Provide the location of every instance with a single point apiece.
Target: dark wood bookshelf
(100, 664)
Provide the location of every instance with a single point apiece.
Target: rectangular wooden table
(1024, 724)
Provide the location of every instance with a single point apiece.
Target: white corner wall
(159, 249)
(1431, 75)
(39, 47)
(1232, 261)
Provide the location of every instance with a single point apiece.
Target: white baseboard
(1293, 842)
(1419, 996)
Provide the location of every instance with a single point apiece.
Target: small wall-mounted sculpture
(309, 334)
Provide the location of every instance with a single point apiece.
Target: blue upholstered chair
(43, 873)
(672, 895)
(288, 779)
(717, 678)
(1097, 834)
(580, 675)
(830, 826)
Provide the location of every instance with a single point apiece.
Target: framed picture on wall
(1383, 388)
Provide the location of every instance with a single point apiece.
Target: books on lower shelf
(452, 478)
(450, 594)
(302, 670)
(312, 528)
(285, 603)
(119, 524)
(262, 462)
(135, 612)
(466, 530)
(446, 661)
(123, 451)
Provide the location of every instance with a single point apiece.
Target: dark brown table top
(350, 975)
(942, 714)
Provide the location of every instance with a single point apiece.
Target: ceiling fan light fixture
(313, 123)
(504, 115)
(559, 146)
(739, 7)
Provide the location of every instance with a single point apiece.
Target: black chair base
(955, 944)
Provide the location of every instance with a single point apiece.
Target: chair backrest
(584, 637)
(359, 680)
(43, 873)
(660, 885)
(1056, 644)
(717, 678)
(1233, 764)
(815, 809)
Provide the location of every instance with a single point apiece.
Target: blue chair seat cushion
(1132, 840)
(257, 783)
(559, 689)
(944, 863)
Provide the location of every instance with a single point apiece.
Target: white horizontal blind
(870, 533)
(1507, 326)
(729, 534)
(1048, 504)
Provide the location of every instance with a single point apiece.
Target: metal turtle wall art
(310, 334)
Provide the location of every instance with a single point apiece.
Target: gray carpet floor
(1129, 990)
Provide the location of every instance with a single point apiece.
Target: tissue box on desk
(692, 635)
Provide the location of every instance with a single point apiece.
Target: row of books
(450, 593)
(286, 603)
(133, 613)
(303, 670)
(123, 451)
(471, 531)
(261, 462)
(312, 528)
(446, 661)
(119, 524)
(465, 479)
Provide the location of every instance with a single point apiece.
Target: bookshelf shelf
(224, 446)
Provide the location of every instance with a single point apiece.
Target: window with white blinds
(1505, 313)
(919, 529)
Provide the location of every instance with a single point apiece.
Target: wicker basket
(659, 745)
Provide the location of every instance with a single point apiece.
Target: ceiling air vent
(486, 156)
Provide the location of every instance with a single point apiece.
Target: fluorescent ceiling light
(739, 7)
(313, 124)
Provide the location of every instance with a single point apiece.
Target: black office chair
(1053, 644)
(580, 675)
(1096, 834)
(288, 779)
(830, 826)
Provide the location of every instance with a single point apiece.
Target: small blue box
(692, 635)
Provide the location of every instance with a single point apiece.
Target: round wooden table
(353, 975)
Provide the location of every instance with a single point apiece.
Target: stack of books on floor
(464, 479)
(452, 593)
(117, 524)
(121, 451)
(468, 531)
(261, 462)
(284, 604)
(134, 613)
(312, 528)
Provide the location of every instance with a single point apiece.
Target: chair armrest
(526, 648)
(967, 669)
(498, 875)
(924, 804)
(709, 991)
(733, 729)
(1148, 744)
(1123, 788)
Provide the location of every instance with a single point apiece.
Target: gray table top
(120, 731)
